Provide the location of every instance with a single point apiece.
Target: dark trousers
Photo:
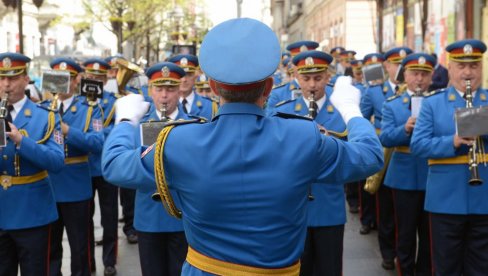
(352, 194)
(75, 217)
(109, 213)
(322, 255)
(386, 222)
(411, 222)
(127, 199)
(459, 244)
(28, 248)
(162, 254)
(367, 204)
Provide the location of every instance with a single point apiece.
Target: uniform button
(5, 157)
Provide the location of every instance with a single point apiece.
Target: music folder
(54, 81)
(373, 73)
(150, 131)
(91, 89)
(471, 122)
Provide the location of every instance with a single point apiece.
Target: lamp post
(239, 10)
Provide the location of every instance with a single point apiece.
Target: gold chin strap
(161, 183)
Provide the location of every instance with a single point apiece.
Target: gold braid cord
(109, 117)
(88, 118)
(51, 121)
(161, 184)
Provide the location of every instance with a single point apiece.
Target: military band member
(290, 90)
(34, 146)
(192, 103)
(371, 105)
(326, 214)
(202, 88)
(407, 174)
(243, 209)
(97, 69)
(458, 210)
(162, 242)
(336, 64)
(82, 128)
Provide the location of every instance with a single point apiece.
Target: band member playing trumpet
(326, 212)
(458, 211)
(34, 146)
(407, 174)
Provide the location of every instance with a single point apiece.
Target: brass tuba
(126, 71)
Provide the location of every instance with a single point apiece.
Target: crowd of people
(261, 154)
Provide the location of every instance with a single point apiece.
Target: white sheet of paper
(416, 105)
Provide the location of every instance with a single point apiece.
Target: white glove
(131, 107)
(346, 98)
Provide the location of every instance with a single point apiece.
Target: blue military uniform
(243, 206)
(326, 213)
(72, 185)
(371, 105)
(407, 176)
(27, 204)
(459, 211)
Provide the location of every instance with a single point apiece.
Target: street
(361, 253)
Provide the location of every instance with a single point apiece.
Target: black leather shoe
(353, 209)
(388, 264)
(109, 271)
(132, 238)
(365, 229)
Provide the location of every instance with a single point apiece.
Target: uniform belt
(378, 131)
(76, 159)
(8, 180)
(461, 159)
(219, 267)
(402, 149)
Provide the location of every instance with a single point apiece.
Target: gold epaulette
(283, 102)
(338, 134)
(393, 97)
(291, 116)
(435, 92)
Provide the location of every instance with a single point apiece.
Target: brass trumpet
(125, 73)
(475, 179)
(164, 111)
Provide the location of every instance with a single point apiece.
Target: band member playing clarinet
(458, 210)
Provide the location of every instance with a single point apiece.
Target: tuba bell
(126, 71)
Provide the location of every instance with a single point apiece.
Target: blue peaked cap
(240, 51)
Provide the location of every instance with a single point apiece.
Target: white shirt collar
(189, 100)
(66, 103)
(320, 102)
(17, 107)
(392, 85)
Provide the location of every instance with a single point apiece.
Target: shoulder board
(435, 92)
(392, 98)
(281, 85)
(47, 108)
(184, 122)
(291, 116)
(283, 102)
(194, 117)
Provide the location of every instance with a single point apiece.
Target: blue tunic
(372, 101)
(280, 94)
(30, 205)
(243, 196)
(405, 171)
(73, 182)
(447, 190)
(328, 208)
